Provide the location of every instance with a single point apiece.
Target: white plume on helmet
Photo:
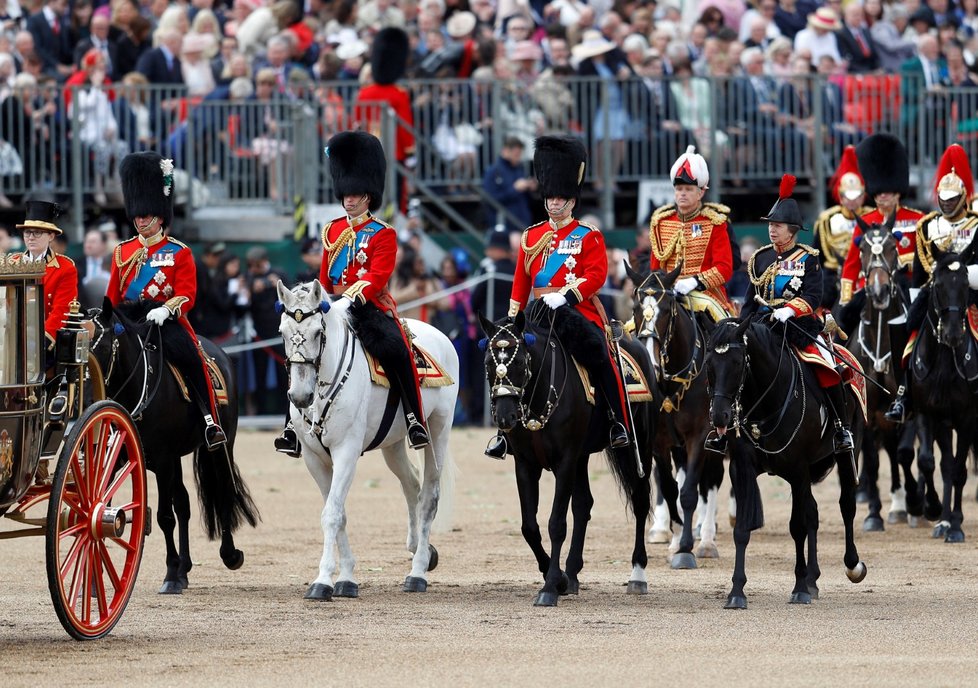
(697, 168)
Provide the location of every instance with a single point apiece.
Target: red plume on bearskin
(787, 186)
(955, 159)
(847, 164)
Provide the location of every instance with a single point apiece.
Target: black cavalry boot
(842, 439)
(288, 441)
(399, 373)
(606, 380)
(214, 436)
(899, 410)
(496, 449)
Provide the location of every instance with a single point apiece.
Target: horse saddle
(218, 383)
(430, 371)
(636, 386)
(857, 383)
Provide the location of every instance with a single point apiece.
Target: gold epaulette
(809, 249)
(717, 213)
(177, 242)
(661, 212)
(588, 225)
(912, 210)
(824, 216)
(922, 222)
(531, 252)
(325, 233)
(56, 259)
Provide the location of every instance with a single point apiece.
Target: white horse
(337, 412)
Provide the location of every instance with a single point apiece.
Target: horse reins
(505, 387)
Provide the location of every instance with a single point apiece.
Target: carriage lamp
(73, 339)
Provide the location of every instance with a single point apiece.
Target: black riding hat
(786, 209)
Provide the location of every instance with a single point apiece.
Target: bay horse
(134, 357)
(339, 413)
(539, 402)
(943, 374)
(878, 345)
(770, 402)
(676, 341)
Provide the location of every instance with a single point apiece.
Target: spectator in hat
(195, 67)
(820, 38)
(507, 183)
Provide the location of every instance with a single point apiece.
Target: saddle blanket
(218, 382)
(636, 386)
(430, 371)
(826, 373)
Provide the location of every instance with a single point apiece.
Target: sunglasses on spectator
(267, 82)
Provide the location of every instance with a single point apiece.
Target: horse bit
(504, 385)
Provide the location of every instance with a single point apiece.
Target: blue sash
(556, 260)
(793, 266)
(344, 258)
(147, 271)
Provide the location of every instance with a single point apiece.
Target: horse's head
(507, 367)
(109, 326)
(949, 298)
(654, 305)
(726, 370)
(880, 259)
(303, 330)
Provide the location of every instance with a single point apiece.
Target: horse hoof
(707, 550)
(862, 496)
(857, 574)
(940, 530)
(573, 587)
(171, 588)
(873, 524)
(800, 598)
(235, 561)
(895, 517)
(346, 588)
(319, 591)
(563, 584)
(813, 591)
(432, 557)
(914, 521)
(415, 584)
(637, 588)
(184, 582)
(736, 602)
(660, 537)
(683, 561)
(546, 599)
(954, 536)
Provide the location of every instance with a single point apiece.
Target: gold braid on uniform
(678, 242)
(924, 251)
(532, 252)
(133, 262)
(765, 280)
(346, 238)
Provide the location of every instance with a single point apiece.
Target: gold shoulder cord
(346, 237)
(924, 244)
(677, 243)
(531, 252)
(765, 280)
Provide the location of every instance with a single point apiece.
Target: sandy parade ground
(913, 621)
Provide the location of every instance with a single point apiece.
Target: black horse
(878, 344)
(538, 401)
(134, 357)
(943, 375)
(769, 400)
(676, 339)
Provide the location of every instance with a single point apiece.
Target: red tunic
(852, 278)
(367, 113)
(60, 289)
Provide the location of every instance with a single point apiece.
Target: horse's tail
(446, 499)
(225, 501)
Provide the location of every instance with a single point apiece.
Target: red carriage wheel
(96, 521)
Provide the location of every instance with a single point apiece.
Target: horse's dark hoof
(171, 588)
(415, 584)
(546, 599)
(563, 585)
(800, 598)
(319, 591)
(683, 561)
(954, 536)
(873, 524)
(940, 530)
(573, 587)
(858, 573)
(813, 591)
(235, 561)
(432, 557)
(862, 496)
(184, 582)
(346, 589)
(736, 602)
(637, 588)
(895, 517)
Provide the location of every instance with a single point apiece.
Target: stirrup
(715, 443)
(213, 434)
(897, 413)
(288, 442)
(842, 440)
(417, 435)
(618, 436)
(496, 449)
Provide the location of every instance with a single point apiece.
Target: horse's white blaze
(352, 421)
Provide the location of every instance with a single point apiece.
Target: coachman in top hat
(564, 262)
(152, 266)
(360, 253)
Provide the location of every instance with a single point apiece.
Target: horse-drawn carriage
(71, 462)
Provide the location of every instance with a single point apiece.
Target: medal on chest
(161, 260)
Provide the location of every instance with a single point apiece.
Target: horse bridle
(947, 310)
(144, 347)
(506, 349)
(876, 243)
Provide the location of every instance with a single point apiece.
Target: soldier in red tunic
(154, 267)
(564, 262)
(360, 253)
(60, 275)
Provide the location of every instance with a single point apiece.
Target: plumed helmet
(847, 182)
(389, 55)
(690, 168)
(357, 165)
(147, 186)
(559, 163)
(884, 165)
(953, 176)
(786, 209)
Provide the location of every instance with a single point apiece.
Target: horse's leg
(400, 464)
(181, 507)
(581, 503)
(713, 476)
(555, 581)
(927, 465)
(905, 454)
(641, 506)
(661, 530)
(855, 569)
(958, 477)
(814, 572)
(743, 478)
(528, 473)
(946, 447)
(434, 453)
(898, 493)
(688, 497)
(167, 522)
(322, 468)
(801, 496)
(873, 522)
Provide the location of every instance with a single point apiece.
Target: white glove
(686, 285)
(555, 300)
(973, 276)
(342, 304)
(782, 314)
(158, 315)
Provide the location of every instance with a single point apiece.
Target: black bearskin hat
(883, 164)
(559, 163)
(358, 165)
(389, 55)
(786, 209)
(147, 186)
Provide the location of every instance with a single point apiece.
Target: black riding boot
(901, 408)
(214, 436)
(496, 448)
(401, 377)
(288, 441)
(842, 439)
(606, 381)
